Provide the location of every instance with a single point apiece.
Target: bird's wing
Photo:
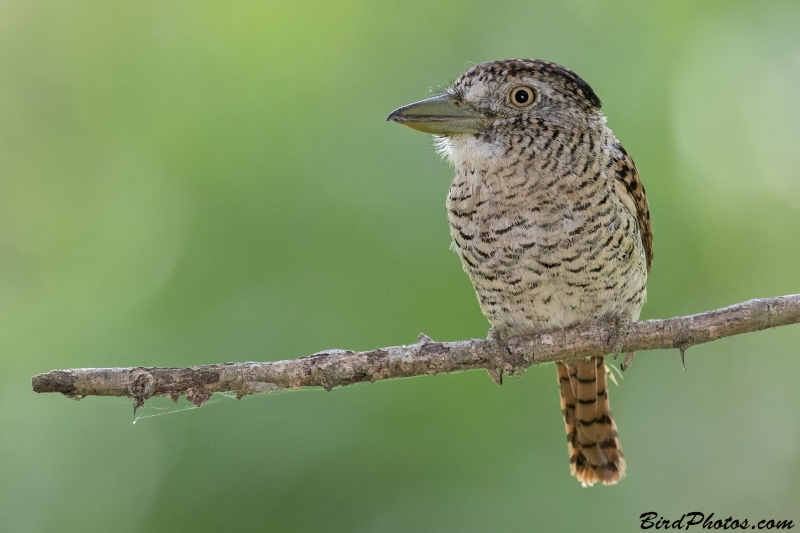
(630, 191)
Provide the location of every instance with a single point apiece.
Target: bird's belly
(535, 279)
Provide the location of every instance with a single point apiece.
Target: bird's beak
(440, 115)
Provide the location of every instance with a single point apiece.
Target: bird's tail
(595, 454)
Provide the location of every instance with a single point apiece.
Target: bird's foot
(618, 334)
(501, 359)
(498, 345)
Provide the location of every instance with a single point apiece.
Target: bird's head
(496, 101)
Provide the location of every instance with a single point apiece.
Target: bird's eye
(522, 96)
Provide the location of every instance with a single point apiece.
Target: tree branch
(333, 368)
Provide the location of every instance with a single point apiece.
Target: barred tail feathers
(595, 454)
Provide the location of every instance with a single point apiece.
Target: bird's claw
(626, 364)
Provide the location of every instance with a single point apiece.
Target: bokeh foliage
(187, 182)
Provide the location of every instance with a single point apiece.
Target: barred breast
(542, 233)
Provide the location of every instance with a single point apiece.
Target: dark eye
(522, 96)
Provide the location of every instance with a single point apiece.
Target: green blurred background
(189, 182)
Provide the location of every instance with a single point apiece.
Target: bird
(551, 222)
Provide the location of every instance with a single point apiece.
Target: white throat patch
(467, 151)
